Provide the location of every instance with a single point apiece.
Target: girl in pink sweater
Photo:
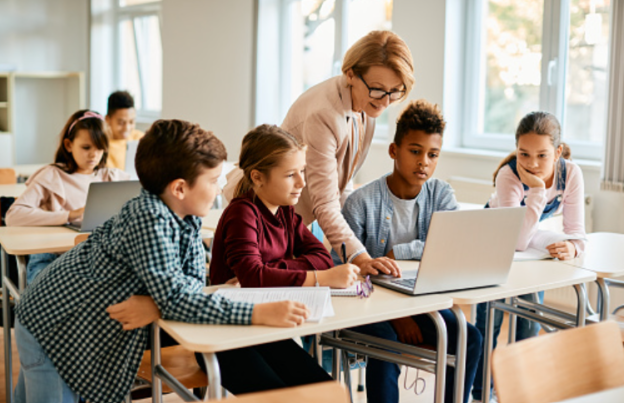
(538, 175)
(57, 193)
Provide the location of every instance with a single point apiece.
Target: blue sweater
(369, 210)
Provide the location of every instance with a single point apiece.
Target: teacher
(336, 119)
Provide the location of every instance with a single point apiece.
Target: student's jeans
(382, 377)
(524, 329)
(36, 264)
(38, 379)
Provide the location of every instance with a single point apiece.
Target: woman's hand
(137, 311)
(280, 314)
(529, 179)
(75, 215)
(407, 331)
(342, 276)
(371, 266)
(562, 250)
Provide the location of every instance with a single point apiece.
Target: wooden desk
(525, 278)
(212, 219)
(615, 395)
(326, 392)
(350, 311)
(12, 190)
(604, 255)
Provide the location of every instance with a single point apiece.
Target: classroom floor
(407, 396)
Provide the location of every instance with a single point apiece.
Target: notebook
(541, 239)
(464, 249)
(131, 149)
(104, 200)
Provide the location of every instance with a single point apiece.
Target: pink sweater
(52, 193)
(510, 192)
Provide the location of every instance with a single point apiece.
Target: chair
(8, 176)
(560, 366)
(326, 392)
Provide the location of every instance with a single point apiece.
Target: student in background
(57, 193)
(145, 262)
(391, 217)
(121, 119)
(264, 243)
(538, 175)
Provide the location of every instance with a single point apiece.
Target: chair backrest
(560, 366)
(80, 238)
(8, 176)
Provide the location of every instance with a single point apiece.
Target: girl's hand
(529, 179)
(562, 250)
(280, 314)
(76, 215)
(373, 267)
(407, 330)
(137, 311)
(342, 276)
(233, 281)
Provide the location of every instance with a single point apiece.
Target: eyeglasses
(378, 93)
(365, 288)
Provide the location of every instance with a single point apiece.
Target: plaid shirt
(147, 250)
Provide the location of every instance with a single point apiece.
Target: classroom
(310, 147)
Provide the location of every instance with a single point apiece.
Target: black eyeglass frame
(388, 93)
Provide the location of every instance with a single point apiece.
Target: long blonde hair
(542, 123)
(381, 48)
(263, 148)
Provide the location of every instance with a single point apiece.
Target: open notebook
(317, 299)
(537, 247)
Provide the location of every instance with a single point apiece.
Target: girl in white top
(57, 193)
(538, 175)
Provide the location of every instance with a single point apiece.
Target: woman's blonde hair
(381, 48)
(262, 150)
(542, 123)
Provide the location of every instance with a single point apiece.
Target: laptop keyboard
(405, 282)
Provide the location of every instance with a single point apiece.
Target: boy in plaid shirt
(69, 343)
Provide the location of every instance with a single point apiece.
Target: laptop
(464, 249)
(131, 149)
(104, 200)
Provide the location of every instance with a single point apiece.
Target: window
(537, 55)
(313, 37)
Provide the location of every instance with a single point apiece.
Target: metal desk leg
(441, 353)
(487, 350)
(460, 354)
(6, 322)
(336, 361)
(603, 291)
(581, 295)
(214, 375)
(156, 382)
(513, 323)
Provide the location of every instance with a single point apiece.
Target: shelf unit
(34, 106)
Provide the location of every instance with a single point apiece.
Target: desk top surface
(525, 278)
(604, 255)
(350, 311)
(326, 392)
(12, 190)
(615, 395)
(212, 219)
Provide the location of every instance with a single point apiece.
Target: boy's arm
(309, 251)
(354, 213)
(154, 255)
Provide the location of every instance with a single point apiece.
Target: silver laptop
(131, 149)
(464, 249)
(104, 200)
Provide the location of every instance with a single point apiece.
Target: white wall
(208, 66)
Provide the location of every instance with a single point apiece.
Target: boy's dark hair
(419, 115)
(175, 149)
(119, 100)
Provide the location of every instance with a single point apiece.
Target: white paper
(317, 299)
(537, 247)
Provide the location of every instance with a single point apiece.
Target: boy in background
(121, 119)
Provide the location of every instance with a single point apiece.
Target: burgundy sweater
(262, 249)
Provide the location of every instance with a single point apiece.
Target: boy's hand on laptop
(407, 331)
(137, 311)
(75, 215)
(380, 265)
(342, 276)
(562, 250)
(280, 314)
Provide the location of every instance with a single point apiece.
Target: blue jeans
(38, 380)
(36, 264)
(524, 329)
(382, 377)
